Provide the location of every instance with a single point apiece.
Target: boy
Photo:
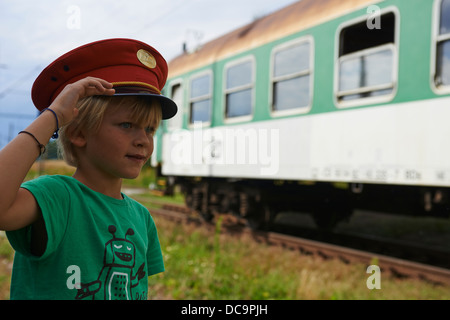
(79, 237)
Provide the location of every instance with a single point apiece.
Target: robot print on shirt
(116, 280)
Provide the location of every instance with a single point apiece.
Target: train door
(172, 126)
(185, 140)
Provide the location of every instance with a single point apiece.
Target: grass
(202, 264)
(6, 258)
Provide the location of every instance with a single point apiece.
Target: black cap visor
(168, 107)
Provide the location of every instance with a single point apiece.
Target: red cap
(133, 67)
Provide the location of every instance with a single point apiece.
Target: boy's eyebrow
(135, 120)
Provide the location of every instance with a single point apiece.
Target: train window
(442, 77)
(367, 60)
(239, 89)
(176, 94)
(291, 75)
(200, 99)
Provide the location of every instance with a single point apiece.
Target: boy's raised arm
(17, 206)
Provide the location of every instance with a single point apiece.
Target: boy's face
(121, 146)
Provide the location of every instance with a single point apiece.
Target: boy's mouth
(137, 157)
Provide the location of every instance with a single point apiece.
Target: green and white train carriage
(322, 106)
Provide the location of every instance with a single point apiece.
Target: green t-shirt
(98, 247)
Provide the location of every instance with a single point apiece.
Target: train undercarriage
(259, 201)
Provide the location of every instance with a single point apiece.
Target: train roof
(293, 18)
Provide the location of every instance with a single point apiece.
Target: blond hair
(145, 111)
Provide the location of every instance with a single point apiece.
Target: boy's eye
(126, 125)
(150, 130)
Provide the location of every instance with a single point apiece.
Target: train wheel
(260, 218)
(193, 198)
(325, 219)
(206, 216)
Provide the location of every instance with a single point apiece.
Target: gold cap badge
(146, 58)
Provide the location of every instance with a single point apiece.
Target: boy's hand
(65, 103)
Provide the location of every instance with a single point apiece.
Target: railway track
(399, 267)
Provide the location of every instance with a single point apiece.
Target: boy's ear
(77, 138)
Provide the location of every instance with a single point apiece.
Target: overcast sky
(34, 33)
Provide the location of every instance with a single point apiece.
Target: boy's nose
(142, 138)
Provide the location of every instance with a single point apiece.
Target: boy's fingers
(106, 84)
(92, 91)
(110, 91)
(100, 83)
(99, 86)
